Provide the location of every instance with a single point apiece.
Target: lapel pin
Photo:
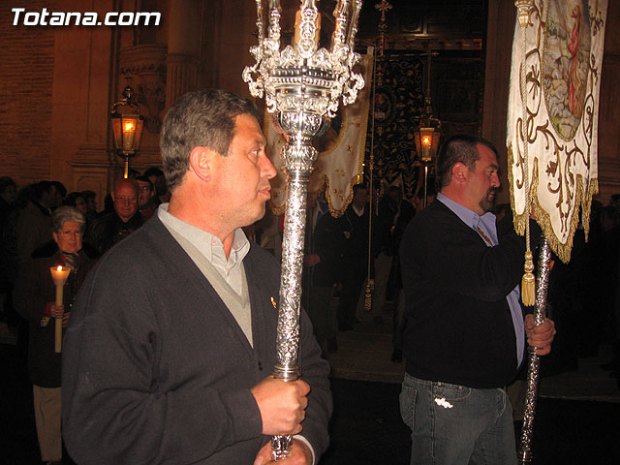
(273, 302)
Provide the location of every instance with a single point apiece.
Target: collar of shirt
(323, 207)
(358, 211)
(470, 217)
(210, 246)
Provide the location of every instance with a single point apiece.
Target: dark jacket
(459, 328)
(33, 290)
(355, 230)
(109, 229)
(391, 222)
(157, 370)
(327, 241)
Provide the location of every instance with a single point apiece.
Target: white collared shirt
(212, 247)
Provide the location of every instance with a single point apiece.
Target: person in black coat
(34, 298)
(323, 267)
(354, 224)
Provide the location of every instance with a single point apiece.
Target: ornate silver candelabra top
(303, 77)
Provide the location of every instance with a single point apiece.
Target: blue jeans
(457, 425)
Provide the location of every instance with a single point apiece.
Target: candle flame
(59, 267)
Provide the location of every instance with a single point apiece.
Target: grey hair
(201, 118)
(66, 213)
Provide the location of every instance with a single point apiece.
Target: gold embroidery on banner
(562, 82)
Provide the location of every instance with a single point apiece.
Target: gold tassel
(370, 286)
(528, 282)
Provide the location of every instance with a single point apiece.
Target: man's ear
(201, 162)
(460, 173)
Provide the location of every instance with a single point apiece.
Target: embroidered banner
(563, 54)
(341, 152)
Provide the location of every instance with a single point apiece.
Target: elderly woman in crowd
(34, 299)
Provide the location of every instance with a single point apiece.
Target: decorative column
(184, 40)
(143, 67)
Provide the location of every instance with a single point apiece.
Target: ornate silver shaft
(299, 157)
(298, 161)
(544, 269)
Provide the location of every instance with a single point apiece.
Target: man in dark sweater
(465, 333)
(173, 335)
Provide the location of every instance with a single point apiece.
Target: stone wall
(26, 79)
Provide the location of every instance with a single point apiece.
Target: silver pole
(533, 372)
(299, 159)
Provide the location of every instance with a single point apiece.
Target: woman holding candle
(36, 298)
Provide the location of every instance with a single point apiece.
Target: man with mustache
(465, 332)
(173, 339)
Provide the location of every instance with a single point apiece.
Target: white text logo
(21, 17)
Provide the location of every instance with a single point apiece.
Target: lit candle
(59, 275)
(129, 132)
(426, 136)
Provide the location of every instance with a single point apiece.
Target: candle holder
(428, 134)
(126, 127)
(302, 84)
(59, 276)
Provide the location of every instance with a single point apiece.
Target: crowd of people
(168, 311)
(43, 226)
